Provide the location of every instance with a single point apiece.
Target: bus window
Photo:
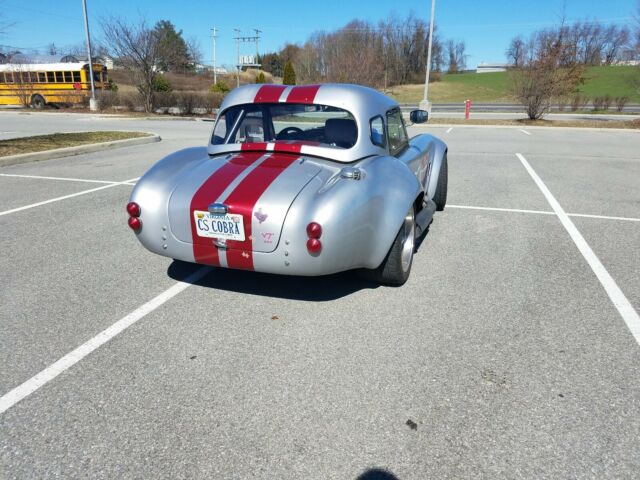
(67, 77)
(42, 77)
(76, 77)
(1, 77)
(50, 77)
(8, 77)
(59, 77)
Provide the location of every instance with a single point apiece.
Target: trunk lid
(258, 186)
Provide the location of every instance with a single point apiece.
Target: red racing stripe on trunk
(204, 251)
(243, 201)
(269, 94)
(303, 94)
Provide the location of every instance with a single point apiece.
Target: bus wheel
(37, 101)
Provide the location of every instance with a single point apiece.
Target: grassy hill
(496, 87)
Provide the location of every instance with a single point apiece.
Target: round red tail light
(133, 209)
(135, 223)
(314, 230)
(314, 245)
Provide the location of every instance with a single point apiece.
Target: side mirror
(419, 116)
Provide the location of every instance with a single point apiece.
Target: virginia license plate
(228, 226)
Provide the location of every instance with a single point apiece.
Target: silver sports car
(306, 180)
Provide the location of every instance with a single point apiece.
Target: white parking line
(524, 131)
(517, 210)
(449, 130)
(544, 212)
(66, 179)
(9, 399)
(57, 199)
(617, 297)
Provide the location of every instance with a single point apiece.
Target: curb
(80, 149)
(528, 127)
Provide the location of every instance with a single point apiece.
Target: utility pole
(246, 61)
(93, 105)
(214, 36)
(425, 104)
(237, 39)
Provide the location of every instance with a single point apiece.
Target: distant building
(485, 67)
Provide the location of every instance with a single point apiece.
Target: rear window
(316, 124)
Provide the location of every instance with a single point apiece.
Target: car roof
(363, 103)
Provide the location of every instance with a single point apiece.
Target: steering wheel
(287, 131)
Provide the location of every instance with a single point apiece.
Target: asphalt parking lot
(508, 354)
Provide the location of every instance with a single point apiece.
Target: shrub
(562, 103)
(164, 100)
(161, 84)
(107, 99)
(598, 103)
(131, 101)
(578, 102)
(186, 102)
(260, 78)
(219, 87)
(606, 102)
(621, 102)
(111, 85)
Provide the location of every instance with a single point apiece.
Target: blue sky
(486, 26)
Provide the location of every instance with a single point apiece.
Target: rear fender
(360, 218)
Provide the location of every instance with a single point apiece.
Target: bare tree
(456, 55)
(545, 78)
(517, 52)
(136, 48)
(194, 50)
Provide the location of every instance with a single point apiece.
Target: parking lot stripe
(524, 131)
(544, 212)
(65, 197)
(38, 177)
(70, 359)
(449, 130)
(617, 297)
(495, 209)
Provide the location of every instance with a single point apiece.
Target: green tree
(219, 87)
(260, 78)
(172, 49)
(161, 84)
(289, 77)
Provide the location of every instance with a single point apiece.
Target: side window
(42, 77)
(76, 77)
(396, 132)
(59, 77)
(50, 77)
(377, 131)
(67, 77)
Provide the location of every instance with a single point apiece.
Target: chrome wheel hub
(408, 240)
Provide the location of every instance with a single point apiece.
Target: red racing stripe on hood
(204, 251)
(269, 94)
(303, 94)
(243, 201)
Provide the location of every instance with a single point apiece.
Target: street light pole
(93, 105)
(425, 104)
(215, 73)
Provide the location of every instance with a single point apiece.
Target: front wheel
(396, 267)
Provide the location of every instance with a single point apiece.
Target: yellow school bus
(39, 84)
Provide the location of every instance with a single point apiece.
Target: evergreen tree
(289, 77)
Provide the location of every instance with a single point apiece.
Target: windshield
(319, 125)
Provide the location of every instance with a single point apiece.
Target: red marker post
(467, 109)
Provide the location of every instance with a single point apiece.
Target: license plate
(228, 226)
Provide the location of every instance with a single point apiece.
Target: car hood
(260, 186)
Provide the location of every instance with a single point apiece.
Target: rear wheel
(440, 197)
(396, 267)
(37, 101)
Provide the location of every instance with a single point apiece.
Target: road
(504, 356)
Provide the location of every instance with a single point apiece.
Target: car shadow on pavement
(313, 289)
(377, 474)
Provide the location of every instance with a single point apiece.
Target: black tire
(440, 197)
(396, 267)
(37, 102)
